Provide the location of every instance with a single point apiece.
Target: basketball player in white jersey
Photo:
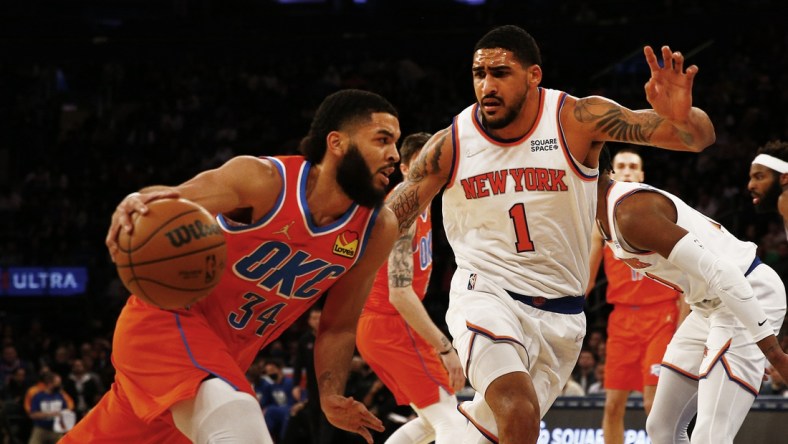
(519, 168)
(769, 179)
(714, 364)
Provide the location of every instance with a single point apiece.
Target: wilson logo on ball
(197, 230)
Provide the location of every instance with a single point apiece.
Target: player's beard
(510, 114)
(356, 180)
(768, 202)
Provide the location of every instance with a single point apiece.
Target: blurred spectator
(83, 386)
(572, 388)
(9, 363)
(320, 431)
(277, 399)
(256, 377)
(597, 387)
(774, 384)
(47, 408)
(584, 370)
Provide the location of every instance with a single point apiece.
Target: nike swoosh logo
(760, 324)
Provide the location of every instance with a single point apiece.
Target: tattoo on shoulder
(619, 123)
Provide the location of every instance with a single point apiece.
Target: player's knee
(659, 431)
(514, 407)
(614, 409)
(239, 420)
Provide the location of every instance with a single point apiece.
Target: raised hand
(669, 90)
(351, 415)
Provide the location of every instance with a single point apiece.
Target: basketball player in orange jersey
(519, 171)
(643, 320)
(180, 373)
(400, 342)
(715, 361)
(769, 179)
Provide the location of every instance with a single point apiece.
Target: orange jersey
(276, 268)
(280, 265)
(627, 286)
(378, 300)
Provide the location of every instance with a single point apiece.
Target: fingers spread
(651, 58)
(667, 57)
(678, 62)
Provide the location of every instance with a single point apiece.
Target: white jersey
(714, 237)
(520, 212)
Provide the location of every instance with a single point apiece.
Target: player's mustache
(497, 99)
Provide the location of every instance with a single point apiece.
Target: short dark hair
(412, 144)
(515, 39)
(337, 112)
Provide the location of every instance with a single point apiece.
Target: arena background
(101, 97)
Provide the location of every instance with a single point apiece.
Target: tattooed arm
(429, 172)
(404, 298)
(673, 123)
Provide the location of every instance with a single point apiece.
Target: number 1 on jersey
(517, 214)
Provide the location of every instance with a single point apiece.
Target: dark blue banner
(44, 281)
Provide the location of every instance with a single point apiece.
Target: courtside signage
(43, 281)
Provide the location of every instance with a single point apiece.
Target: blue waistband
(564, 305)
(755, 263)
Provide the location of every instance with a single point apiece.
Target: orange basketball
(174, 256)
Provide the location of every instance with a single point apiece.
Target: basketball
(174, 256)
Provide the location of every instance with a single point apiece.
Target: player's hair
(605, 160)
(629, 149)
(515, 39)
(412, 144)
(337, 112)
(775, 148)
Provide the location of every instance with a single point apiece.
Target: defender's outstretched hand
(669, 90)
(351, 415)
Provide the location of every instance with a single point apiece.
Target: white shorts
(482, 316)
(706, 339)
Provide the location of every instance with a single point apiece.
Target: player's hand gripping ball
(174, 256)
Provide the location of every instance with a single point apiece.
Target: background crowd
(98, 101)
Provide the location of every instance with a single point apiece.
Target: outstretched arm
(647, 221)
(336, 337)
(403, 297)
(672, 123)
(243, 181)
(428, 173)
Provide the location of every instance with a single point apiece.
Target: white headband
(772, 162)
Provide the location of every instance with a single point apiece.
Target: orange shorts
(637, 336)
(402, 359)
(113, 421)
(160, 358)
